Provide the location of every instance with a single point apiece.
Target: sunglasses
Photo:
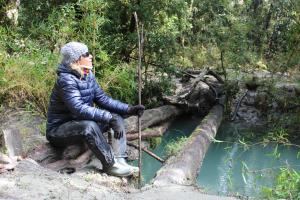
(85, 55)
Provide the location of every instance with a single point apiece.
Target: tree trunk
(152, 117)
(183, 168)
(156, 131)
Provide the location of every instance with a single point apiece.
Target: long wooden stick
(148, 152)
(140, 41)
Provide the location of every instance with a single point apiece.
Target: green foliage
(28, 78)
(154, 89)
(175, 146)
(287, 185)
(278, 135)
(223, 34)
(43, 127)
(154, 142)
(120, 83)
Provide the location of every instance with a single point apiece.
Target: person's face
(86, 60)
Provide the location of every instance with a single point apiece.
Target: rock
(292, 88)
(21, 131)
(249, 109)
(13, 141)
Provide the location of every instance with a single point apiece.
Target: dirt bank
(29, 181)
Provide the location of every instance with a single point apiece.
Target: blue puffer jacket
(72, 99)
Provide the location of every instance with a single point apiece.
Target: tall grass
(27, 79)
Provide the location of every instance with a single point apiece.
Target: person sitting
(72, 118)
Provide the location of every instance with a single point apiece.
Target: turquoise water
(180, 127)
(228, 168)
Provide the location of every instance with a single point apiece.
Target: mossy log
(183, 168)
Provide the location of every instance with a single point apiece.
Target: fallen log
(183, 168)
(156, 131)
(152, 117)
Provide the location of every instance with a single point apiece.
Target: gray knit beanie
(72, 51)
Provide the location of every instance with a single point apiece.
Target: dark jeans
(77, 132)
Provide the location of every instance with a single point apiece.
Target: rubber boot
(119, 170)
(123, 162)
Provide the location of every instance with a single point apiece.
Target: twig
(238, 106)
(148, 152)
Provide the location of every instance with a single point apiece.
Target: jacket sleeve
(71, 96)
(106, 102)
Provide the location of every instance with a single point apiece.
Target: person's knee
(91, 128)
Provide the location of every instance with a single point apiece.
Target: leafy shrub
(120, 83)
(28, 79)
(287, 185)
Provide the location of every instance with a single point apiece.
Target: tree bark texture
(183, 168)
(152, 117)
(155, 131)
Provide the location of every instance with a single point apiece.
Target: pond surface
(180, 127)
(228, 168)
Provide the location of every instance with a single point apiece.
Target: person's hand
(136, 110)
(117, 127)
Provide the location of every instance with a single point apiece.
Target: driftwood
(183, 168)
